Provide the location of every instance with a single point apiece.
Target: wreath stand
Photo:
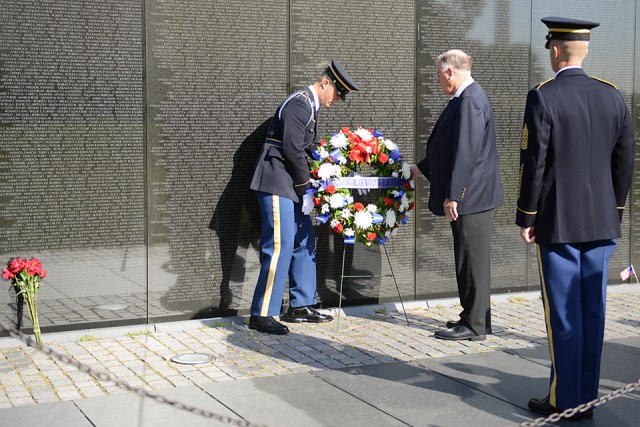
(368, 276)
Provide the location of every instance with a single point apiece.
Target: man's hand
(450, 209)
(415, 172)
(528, 234)
(307, 203)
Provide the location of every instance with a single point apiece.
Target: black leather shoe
(459, 332)
(268, 325)
(454, 323)
(305, 314)
(544, 408)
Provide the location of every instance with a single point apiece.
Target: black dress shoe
(454, 323)
(268, 325)
(305, 314)
(459, 332)
(544, 408)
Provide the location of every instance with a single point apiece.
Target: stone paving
(377, 335)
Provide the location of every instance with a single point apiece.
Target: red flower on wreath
(388, 201)
(358, 206)
(383, 158)
(371, 236)
(330, 189)
(338, 228)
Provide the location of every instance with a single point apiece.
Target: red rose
(388, 201)
(371, 236)
(323, 142)
(17, 265)
(338, 228)
(358, 206)
(411, 205)
(34, 267)
(316, 201)
(407, 186)
(315, 172)
(43, 273)
(383, 158)
(6, 274)
(330, 189)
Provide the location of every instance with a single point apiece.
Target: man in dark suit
(282, 184)
(462, 167)
(576, 164)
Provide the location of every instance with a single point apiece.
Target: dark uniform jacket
(282, 167)
(576, 160)
(462, 162)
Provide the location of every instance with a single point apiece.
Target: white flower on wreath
(406, 171)
(334, 222)
(364, 134)
(391, 161)
(349, 232)
(404, 203)
(394, 174)
(336, 201)
(314, 183)
(342, 160)
(387, 234)
(349, 198)
(328, 170)
(339, 140)
(322, 152)
(390, 145)
(390, 218)
(372, 208)
(325, 208)
(363, 219)
(345, 213)
(394, 232)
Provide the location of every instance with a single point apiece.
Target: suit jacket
(576, 159)
(462, 161)
(282, 167)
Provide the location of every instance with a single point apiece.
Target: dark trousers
(472, 249)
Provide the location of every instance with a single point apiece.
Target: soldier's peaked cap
(340, 78)
(567, 29)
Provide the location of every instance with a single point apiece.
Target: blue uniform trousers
(574, 288)
(287, 249)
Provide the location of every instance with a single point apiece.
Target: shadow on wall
(236, 219)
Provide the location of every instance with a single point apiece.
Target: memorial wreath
(335, 171)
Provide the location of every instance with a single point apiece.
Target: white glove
(307, 203)
(361, 191)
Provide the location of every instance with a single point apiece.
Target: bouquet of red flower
(26, 275)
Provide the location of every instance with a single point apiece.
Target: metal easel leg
(396, 283)
(344, 251)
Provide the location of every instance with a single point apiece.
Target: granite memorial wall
(129, 130)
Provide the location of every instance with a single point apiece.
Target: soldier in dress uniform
(576, 164)
(282, 184)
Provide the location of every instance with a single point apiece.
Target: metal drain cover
(193, 358)
(112, 307)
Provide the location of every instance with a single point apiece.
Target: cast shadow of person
(236, 218)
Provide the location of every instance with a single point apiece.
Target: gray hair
(456, 59)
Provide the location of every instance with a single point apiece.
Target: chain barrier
(568, 413)
(103, 376)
